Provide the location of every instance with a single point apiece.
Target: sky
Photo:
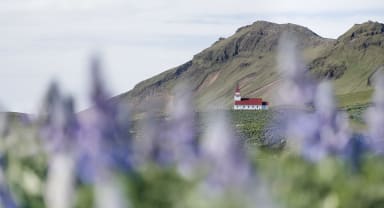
(46, 40)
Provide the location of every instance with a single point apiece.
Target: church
(248, 103)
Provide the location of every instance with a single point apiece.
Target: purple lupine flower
(324, 102)
(354, 151)
(334, 128)
(60, 126)
(170, 141)
(297, 89)
(314, 133)
(52, 119)
(182, 132)
(323, 131)
(224, 157)
(60, 131)
(71, 127)
(149, 145)
(303, 136)
(375, 117)
(50, 103)
(106, 140)
(105, 143)
(6, 198)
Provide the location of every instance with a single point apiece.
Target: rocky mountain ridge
(249, 57)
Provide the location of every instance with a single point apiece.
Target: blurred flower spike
(375, 116)
(106, 141)
(312, 124)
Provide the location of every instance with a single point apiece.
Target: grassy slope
(249, 57)
(361, 49)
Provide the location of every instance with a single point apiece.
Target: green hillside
(353, 59)
(250, 58)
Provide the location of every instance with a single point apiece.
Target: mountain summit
(249, 57)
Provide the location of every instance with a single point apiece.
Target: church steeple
(237, 96)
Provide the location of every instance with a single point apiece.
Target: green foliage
(157, 187)
(84, 196)
(356, 112)
(356, 116)
(329, 183)
(26, 177)
(251, 124)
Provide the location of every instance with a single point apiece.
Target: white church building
(248, 103)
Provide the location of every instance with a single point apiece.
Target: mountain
(353, 60)
(249, 57)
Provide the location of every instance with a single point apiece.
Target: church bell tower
(237, 96)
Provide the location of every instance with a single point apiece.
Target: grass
(355, 98)
(251, 124)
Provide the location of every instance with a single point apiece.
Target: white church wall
(250, 107)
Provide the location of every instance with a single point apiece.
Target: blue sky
(41, 40)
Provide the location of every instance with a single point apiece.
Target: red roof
(249, 101)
